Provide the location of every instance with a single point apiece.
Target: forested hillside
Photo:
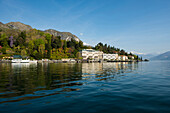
(19, 39)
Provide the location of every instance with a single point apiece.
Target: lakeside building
(90, 54)
(131, 57)
(94, 55)
(122, 58)
(110, 56)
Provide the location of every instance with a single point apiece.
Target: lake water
(87, 87)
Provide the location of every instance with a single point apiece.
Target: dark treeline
(38, 45)
(112, 50)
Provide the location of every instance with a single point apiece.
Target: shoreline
(59, 61)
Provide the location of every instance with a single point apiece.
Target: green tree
(30, 47)
(65, 45)
(78, 55)
(35, 54)
(48, 45)
(23, 35)
(3, 40)
(24, 53)
(38, 42)
(21, 40)
(58, 41)
(41, 50)
(80, 44)
(122, 52)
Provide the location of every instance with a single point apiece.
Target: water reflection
(104, 71)
(29, 81)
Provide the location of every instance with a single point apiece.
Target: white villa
(110, 56)
(91, 54)
(132, 57)
(122, 58)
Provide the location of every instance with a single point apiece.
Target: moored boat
(23, 61)
(16, 60)
(33, 61)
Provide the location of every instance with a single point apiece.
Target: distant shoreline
(59, 61)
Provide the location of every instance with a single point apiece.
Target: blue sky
(134, 25)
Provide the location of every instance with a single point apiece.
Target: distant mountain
(147, 56)
(64, 35)
(3, 26)
(144, 55)
(15, 25)
(164, 56)
(18, 26)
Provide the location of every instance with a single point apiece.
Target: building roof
(109, 54)
(17, 56)
(91, 50)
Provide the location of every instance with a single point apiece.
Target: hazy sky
(134, 25)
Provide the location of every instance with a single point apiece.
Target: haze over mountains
(154, 56)
(23, 27)
(164, 56)
(145, 55)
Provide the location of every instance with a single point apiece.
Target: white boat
(25, 61)
(20, 61)
(16, 60)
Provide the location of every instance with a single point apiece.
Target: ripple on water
(87, 87)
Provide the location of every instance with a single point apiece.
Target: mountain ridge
(163, 56)
(23, 27)
(64, 35)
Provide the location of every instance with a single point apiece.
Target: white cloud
(133, 52)
(81, 34)
(86, 44)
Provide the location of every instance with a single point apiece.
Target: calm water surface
(95, 87)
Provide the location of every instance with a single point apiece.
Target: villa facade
(90, 54)
(110, 56)
(122, 58)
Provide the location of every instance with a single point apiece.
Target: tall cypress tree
(48, 46)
